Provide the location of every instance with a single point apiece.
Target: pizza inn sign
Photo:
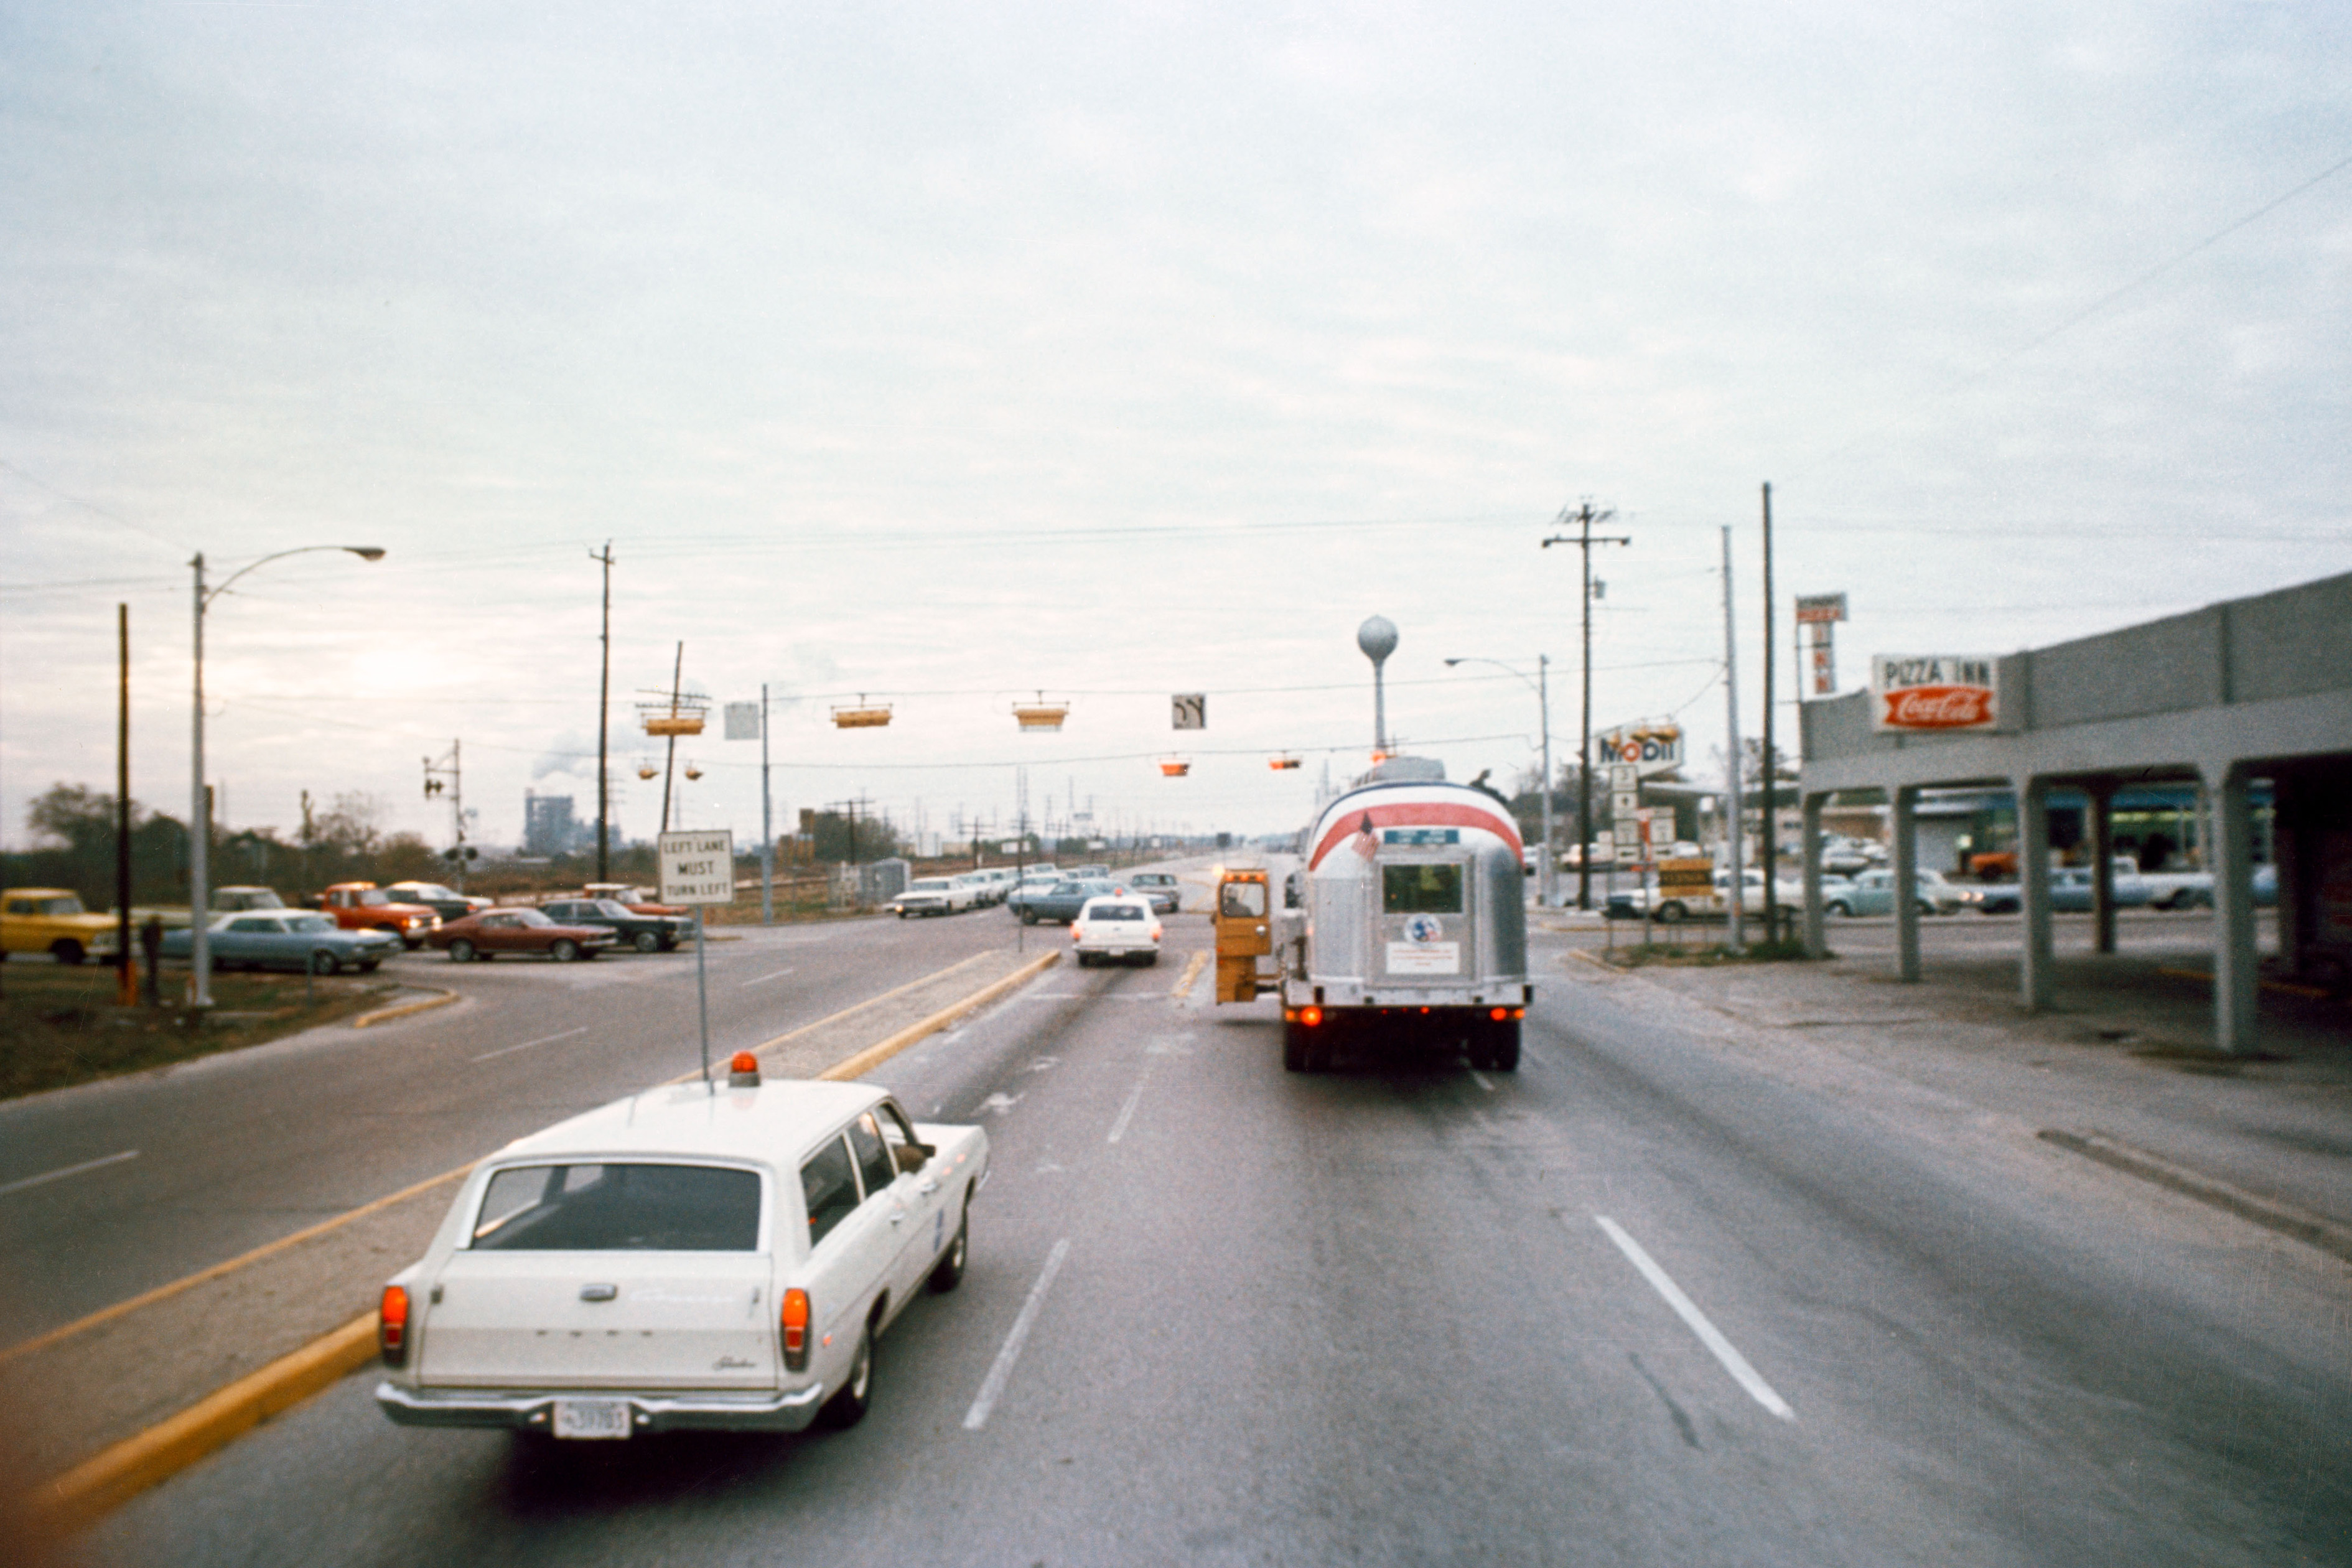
(1934, 692)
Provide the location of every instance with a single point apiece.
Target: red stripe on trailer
(1418, 813)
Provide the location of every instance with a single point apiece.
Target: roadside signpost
(698, 868)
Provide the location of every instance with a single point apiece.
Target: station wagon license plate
(592, 1419)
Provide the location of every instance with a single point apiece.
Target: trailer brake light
(1310, 1016)
(1498, 1014)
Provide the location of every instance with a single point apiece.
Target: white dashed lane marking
(1708, 1334)
(60, 1174)
(1000, 1373)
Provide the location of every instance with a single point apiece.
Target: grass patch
(59, 1025)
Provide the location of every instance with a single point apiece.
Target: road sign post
(699, 869)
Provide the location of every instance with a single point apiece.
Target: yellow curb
(386, 1015)
(162, 1292)
(874, 1056)
(1183, 987)
(111, 1477)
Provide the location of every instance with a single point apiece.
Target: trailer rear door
(1425, 930)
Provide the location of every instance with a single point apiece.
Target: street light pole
(1542, 686)
(200, 825)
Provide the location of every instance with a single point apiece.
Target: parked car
(245, 898)
(591, 1280)
(646, 934)
(287, 938)
(935, 896)
(1871, 892)
(1089, 873)
(1061, 902)
(2070, 892)
(52, 921)
(2178, 889)
(1167, 894)
(448, 904)
(1116, 929)
(1632, 903)
(486, 935)
(643, 901)
(364, 906)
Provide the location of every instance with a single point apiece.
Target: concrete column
(1906, 881)
(2102, 793)
(1816, 943)
(2235, 961)
(2036, 980)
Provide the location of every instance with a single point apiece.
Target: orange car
(364, 906)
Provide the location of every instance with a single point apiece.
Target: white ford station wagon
(701, 1256)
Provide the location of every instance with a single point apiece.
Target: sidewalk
(2122, 1053)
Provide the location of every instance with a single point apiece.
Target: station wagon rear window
(1421, 889)
(1115, 912)
(620, 1208)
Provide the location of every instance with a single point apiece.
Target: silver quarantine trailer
(1406, 919)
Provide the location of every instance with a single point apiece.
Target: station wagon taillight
(795, 1327)
(392, 1326)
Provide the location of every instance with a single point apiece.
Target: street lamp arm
(364, 552)
(1524, 680)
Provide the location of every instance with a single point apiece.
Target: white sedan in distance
(1115, 928)
(712, 1256)
(936, 896)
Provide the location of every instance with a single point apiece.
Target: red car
(487, 934)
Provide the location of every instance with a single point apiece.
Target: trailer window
(1421, 889)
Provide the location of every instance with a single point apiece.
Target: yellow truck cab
(52, 921)
(1243, 921)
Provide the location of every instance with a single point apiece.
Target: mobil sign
(1648, 748)
(1913, 692)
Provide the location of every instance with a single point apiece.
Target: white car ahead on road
(699, 1255)
(936, 896)
(1115, 930)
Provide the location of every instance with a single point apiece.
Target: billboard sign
(1647, 749)
(1820, 608)
(1911, 693)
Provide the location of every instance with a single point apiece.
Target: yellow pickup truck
(52, 921)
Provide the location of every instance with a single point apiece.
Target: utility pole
(126, 983)
(1771, 789)
(669, 763)
(604, 720)
(1584, 539)
(453, 769)
(1733, 804)
(767, 823)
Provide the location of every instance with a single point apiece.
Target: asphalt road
(234, 1151)
(1407, 1313)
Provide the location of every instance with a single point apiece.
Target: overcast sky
(951, 353)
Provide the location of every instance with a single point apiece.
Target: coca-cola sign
(1934, 692)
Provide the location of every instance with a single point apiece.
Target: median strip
(405, 1009)
(112, 1372)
